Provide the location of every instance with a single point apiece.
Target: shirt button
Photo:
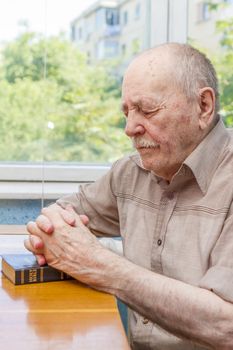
(170, 195)
(159, 241)
(145, 320)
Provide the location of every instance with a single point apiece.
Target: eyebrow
(143, 103)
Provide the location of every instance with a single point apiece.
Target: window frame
(50, 180)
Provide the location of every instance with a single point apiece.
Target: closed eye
(148, 114)
(151, 113)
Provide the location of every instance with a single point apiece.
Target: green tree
(224, 61)
(56, 106)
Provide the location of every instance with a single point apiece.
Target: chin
(147, 164)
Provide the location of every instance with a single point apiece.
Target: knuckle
(44, 210)
(30, 226)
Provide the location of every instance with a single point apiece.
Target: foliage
(222, 58)
(56, 107)
(224, 61)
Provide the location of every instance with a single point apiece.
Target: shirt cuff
(219, 280)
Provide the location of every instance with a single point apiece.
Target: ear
(207, 107)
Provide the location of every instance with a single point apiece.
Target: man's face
(163, 126)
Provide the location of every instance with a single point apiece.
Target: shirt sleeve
(219, 277)
(99, 203)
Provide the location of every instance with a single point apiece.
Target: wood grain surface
(64, 315)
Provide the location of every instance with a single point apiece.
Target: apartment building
(96, 31)
(122, 28)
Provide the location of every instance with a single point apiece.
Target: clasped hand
(60, 238)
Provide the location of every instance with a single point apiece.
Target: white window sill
(34, 181)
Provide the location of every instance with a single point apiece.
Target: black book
(24, 269)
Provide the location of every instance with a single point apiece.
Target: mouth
(140, 144)
(147, 150)
(147, 147)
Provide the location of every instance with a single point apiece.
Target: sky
(46, 16)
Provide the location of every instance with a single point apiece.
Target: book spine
(42, 274)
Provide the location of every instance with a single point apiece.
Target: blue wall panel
(19, 212)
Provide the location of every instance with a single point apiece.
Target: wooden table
(62, 315)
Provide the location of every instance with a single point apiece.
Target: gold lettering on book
(32, 275)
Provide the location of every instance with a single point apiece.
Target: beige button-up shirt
(183, 230)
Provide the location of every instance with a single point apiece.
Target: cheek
(159, 133)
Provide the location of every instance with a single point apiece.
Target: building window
(137, 11)
(111, 49)
(100, 19)
(112, 17)
(106, 49)
(73, 33)
(203, 12)
(123, 49)
(125, 18)
(80, 33)
(88, 28)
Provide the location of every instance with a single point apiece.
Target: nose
(134, 125)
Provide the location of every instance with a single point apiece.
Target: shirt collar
(202, 161)
(206, 156)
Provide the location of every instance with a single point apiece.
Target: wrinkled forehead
(147, 75)
(148, 71)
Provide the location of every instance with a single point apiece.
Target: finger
(84, 219)
(36, 242)
(28, 245)
(41, 259)
(54, 215)
(34, 230)
(44, 224)
(68, 217)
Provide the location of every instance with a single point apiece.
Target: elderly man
(171, 202)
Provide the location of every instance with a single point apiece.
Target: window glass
(137, 11)
(112, 17)
(57, 102)
(100, 18)
(125, 18)
(61, 64)
(215, 38)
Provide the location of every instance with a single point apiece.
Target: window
(137, 11)
(125, 18)
(111, 49)
(73, 33)
(88, 27)
(123, 49)
(100, 18)
(107, 49)
(51, 98)
(203, 12)
(100, 50)
(80, 33)
(112, 17)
